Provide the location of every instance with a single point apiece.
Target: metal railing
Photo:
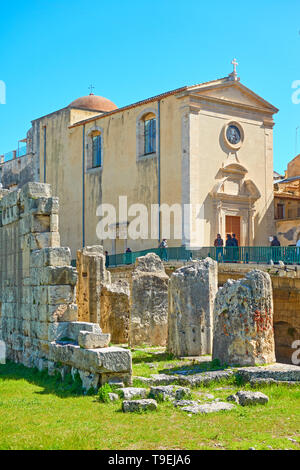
(20, 152)
(242, 254)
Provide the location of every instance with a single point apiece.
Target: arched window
(96, 151)
(149, 135)
(146, 133)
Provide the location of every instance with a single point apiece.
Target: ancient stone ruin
(115, 310)
(149, 302)
(38, 313)
(100, 300)
(243, 321)
(91, 274)
(192, 291)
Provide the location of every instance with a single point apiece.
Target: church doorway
(233, 225)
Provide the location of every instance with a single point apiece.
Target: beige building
(207, 147)
(287, 204)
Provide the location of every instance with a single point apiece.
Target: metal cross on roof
(91, 87)
(234, 63)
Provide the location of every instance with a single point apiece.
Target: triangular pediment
(232, 92)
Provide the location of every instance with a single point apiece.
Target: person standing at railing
(106, 259)
(128, 256)
(164, 249)
(275, 243)
(235, 250)
(218, 243)
(229, 248)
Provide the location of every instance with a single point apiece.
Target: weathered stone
(243, 321)
(248, 398)
(192, 290)
(149, 302)
(91, 274)
(89, 340)
(114, 310)
(165, 392)
(179, 403)
(204, 377)
(89, 381)
(132, 392)
(139, 405)
(37, 286)
(209, 407)
(278, 372)
(113, 396)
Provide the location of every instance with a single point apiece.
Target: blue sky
(51, 51)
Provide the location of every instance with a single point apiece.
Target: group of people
(230, 240)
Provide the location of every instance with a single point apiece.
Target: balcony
(20, 152)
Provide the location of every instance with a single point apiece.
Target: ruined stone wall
(192, 291)
(37, 281)
(37, 295)
(148, 322)
(115, 310)
(243, 321)
(286, 299)
(91, 275)
(99, 300)
(19, 171)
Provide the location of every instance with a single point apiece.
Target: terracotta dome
(97, 103)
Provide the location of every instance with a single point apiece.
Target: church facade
(207, 148)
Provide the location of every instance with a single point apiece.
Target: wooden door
(233, 225)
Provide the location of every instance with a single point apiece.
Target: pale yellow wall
(190, 141)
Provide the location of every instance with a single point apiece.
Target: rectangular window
(280, 211)
(96, 151)
(150, 136)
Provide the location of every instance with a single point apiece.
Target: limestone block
(61, 275)
(192, 291)
(74, 328)
(34, 190)
(51, 257)
(63, 313)
(111, 360)
(209, 407)
(91, 274)
(139, 405)
(132, 392)
(60, 294)
(149, 302)
(89, 381)
(245, 398)
(38, 241)
(90, 340)
(169, 391)
(58, 330)
(115, 310)
(243, 321)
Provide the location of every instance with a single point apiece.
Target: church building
(207, 147)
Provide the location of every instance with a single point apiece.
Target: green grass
(41, 412)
